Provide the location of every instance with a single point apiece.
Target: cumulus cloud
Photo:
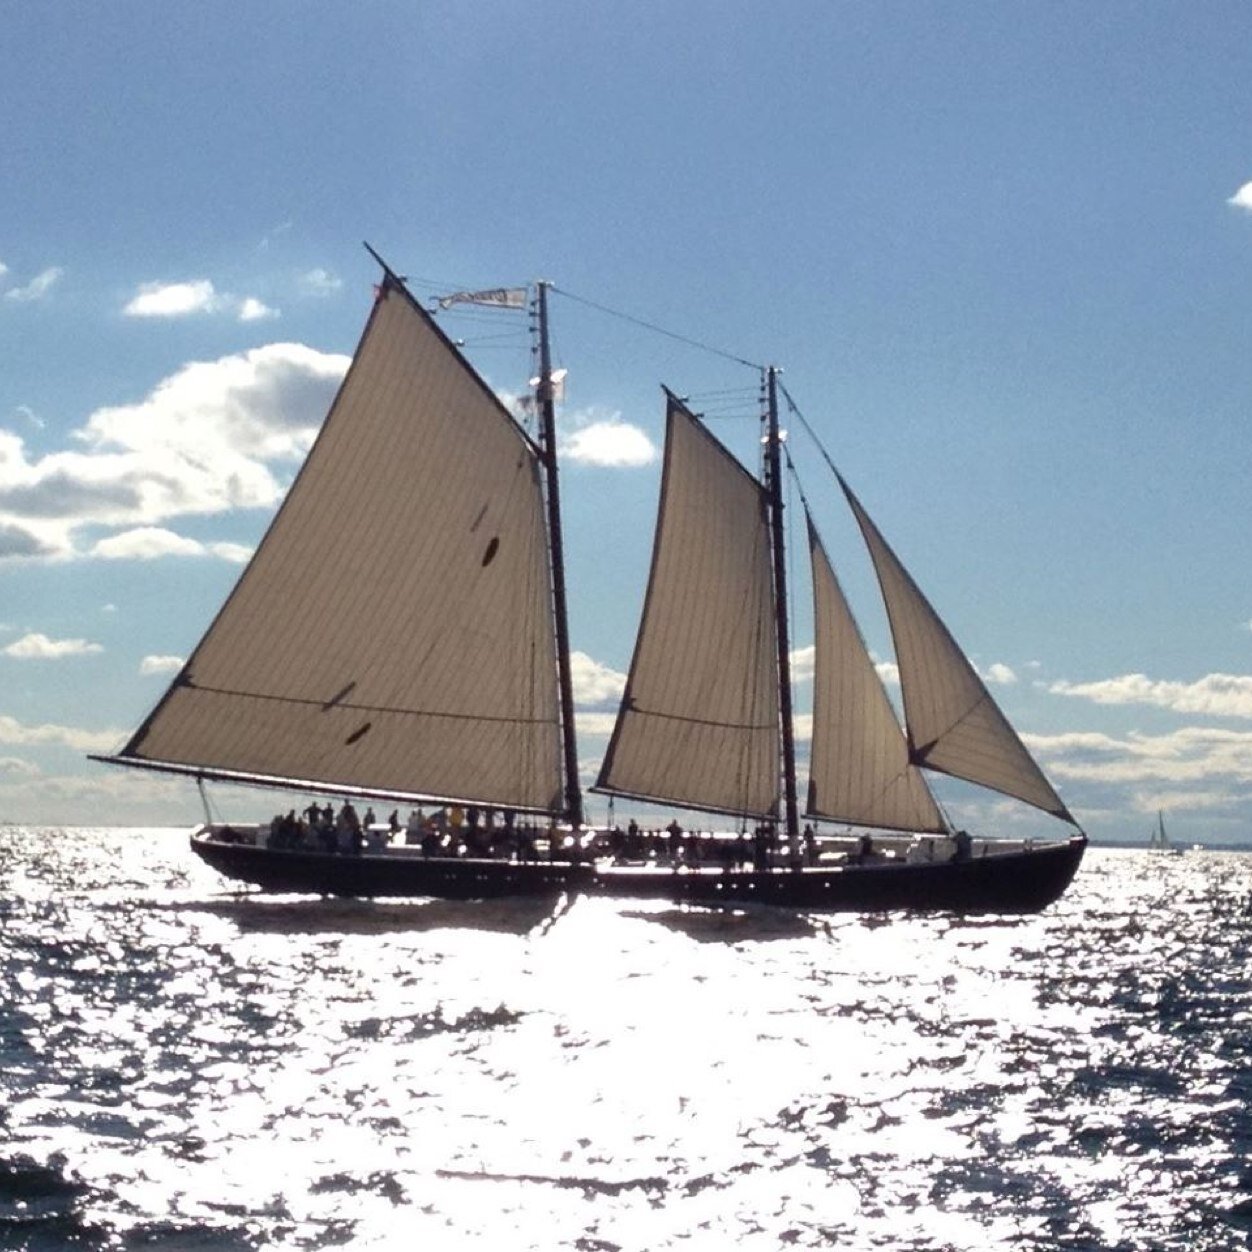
(14, 732)
(320, 282)
(15, 767)
(1218, 695)
(1190, 755)
(18, 542)
(38, 287)
(1242, 199)
(802, 663)
(594, 683)
(609, 443)
(39, 647)
(148, 543)
(596, 723)
(160, 665)
(168, 300)
(253, 310)
(206, 439)
(999, 675)
(173, 299)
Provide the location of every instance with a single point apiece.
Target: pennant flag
(497, 297)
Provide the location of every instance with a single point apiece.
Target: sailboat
(1158, 841)
(401, 634)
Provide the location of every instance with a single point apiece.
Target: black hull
(1014, 882)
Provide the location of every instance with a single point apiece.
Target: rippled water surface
(184, 1067)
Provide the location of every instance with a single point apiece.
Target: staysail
(859, 770)
(954, 726)
(393, 633)
(699, 721)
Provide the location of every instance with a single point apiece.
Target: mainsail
(699, 721)
(954, 726)
(859, 770)
(393, 633)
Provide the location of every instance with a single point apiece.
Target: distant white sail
(954, 726)
(860, 771)
(394, 631)
(699, 722)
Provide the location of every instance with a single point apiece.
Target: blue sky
(1003, 254)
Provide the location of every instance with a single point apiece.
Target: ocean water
(184, 1067)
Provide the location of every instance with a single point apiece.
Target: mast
(773, 474)
(547, 420)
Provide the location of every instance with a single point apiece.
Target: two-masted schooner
(400, 635)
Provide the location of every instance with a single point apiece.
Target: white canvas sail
(954, 726)
(699, 722)
(860, 771)
(393, 632)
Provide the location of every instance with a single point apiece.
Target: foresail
(699, 722)
(954, 726)
(860, 770)
(393, 631)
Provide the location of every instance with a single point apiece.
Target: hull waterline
(1011, 882)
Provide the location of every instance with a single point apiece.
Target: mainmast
(547, 426)
(773, 476)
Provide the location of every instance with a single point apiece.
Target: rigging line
(804, 421)
(659, 330)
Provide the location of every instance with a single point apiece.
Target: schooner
(401, 635)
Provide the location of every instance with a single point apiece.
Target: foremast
(546, 404)
(774, 493)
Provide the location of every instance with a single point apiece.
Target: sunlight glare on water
(184, 1063)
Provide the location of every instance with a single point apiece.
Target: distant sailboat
(401, 634)
(1159, 841)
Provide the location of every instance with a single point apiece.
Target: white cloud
(39, 647)
(38, 287)
(29, 416)
(235, 553)
(146, 543)
(1192, 754)
(802, 663)
(253, 310)
(14, 732)
(320, 282)
(888, 671)
(1218, 695)
(609, 443)
(594, 683)
(173, 299)
(149, 543)
(596, 723)
(15, 767)
(1242, 199)
(999, 675)
(206, 439)
(160, 665)
(4, 269)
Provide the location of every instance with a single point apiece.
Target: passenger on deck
(810, 845)
(761, 840)
(864, 854)
(351, 840)
(675, 832)
(964, 845)
(414, 830)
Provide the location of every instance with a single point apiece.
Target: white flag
(497, 297)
